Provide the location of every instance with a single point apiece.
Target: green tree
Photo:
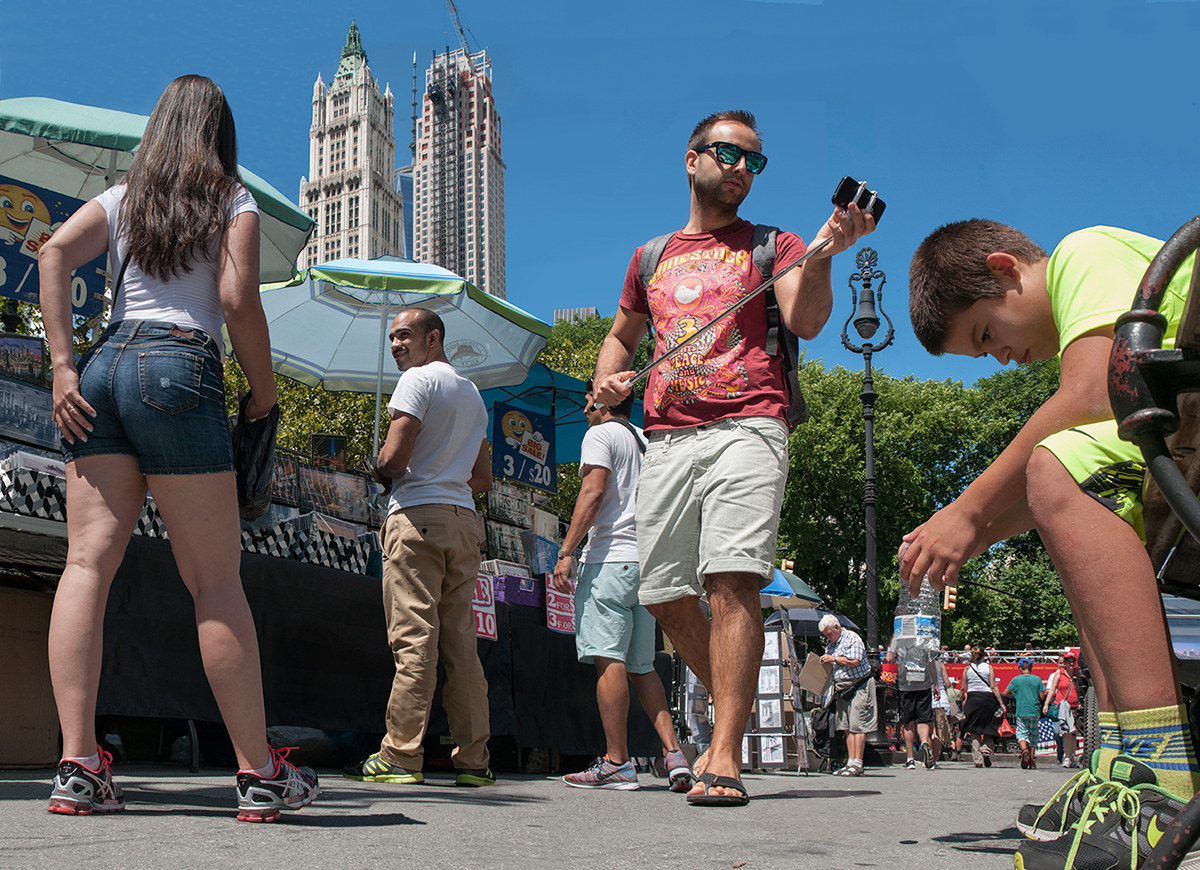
(932, 438)
(574, 345)
(305, 411)
(572, 349)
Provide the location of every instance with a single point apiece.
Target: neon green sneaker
(375, 769)
(475, 778)
(1122, 822)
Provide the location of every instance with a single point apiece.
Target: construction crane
(462, 36)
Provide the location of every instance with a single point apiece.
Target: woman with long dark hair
(981, 709)
(146, 409)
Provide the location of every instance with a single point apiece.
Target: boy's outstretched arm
(959, 531)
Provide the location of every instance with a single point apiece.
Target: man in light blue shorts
(717, 418)
(611, 628)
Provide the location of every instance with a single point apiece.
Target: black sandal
(709, 780)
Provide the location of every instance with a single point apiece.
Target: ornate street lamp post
(866, 322)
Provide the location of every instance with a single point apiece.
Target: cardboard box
(499, 566)
(816, 675)
(28, 717)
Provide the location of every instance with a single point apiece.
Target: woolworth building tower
(350, 191)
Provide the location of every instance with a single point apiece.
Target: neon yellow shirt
(1093, 276)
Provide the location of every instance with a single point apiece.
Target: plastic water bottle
(917, 631)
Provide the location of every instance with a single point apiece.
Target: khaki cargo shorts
(708, 502)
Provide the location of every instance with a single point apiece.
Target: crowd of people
(145, 408)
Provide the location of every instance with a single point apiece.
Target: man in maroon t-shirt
(716, 420)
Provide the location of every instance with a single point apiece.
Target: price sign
(523, 447)
(560, 609)
(485, 624)
(483, 603)
(29, 215)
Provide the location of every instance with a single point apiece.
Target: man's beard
(715, 196)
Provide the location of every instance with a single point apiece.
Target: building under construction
(458, 178)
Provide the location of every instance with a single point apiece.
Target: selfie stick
(712, 323)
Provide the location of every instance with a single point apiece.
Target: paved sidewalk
(953, 817)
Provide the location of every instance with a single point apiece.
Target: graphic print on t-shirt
(691, 290)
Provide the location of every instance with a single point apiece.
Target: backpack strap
(762, 253)
(117, 284)
(641, 445)
(652, 252)
(780, 342)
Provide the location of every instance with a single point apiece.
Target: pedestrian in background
(982, 708)
(856, 711)
(612, 630)
(1028, 691)
(1061, 702)
(434, 462)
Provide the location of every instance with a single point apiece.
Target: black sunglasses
(730, 154)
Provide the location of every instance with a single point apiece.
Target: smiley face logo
(18, 208)
(514, 425)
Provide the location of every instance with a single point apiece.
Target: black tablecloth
(325, 657)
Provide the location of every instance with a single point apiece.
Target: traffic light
(950, 598)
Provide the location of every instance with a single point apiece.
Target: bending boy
(979, 287)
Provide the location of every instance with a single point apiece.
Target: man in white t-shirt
(435, 459)
(611, 628)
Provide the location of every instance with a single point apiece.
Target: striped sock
(1161, 739)
(1110, 743)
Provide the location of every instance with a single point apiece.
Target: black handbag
(845, 694)
(254, 460)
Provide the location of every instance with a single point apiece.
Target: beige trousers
(430, 562)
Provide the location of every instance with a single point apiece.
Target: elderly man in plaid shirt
(853, 687)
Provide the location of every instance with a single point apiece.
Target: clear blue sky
(1044, 114)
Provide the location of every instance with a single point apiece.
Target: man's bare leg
(856, 746)
(687, 625)
(612, 696)
(654, 701)
(737, 641)
(910, 738)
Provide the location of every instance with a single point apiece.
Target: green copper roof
(353, 55)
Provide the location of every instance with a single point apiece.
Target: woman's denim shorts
(157, 396)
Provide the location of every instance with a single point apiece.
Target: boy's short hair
(949, 273)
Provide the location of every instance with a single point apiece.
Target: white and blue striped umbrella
(329, 326)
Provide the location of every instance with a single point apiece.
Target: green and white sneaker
(1122, 821)
(375, 769)
(1051, 820)
(475, 778)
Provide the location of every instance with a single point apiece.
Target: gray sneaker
(260, 798)
(81, 791)
(679, 772)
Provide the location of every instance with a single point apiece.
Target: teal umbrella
(787, 585)
(49, 147)
(556, 395)
(329, 326)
